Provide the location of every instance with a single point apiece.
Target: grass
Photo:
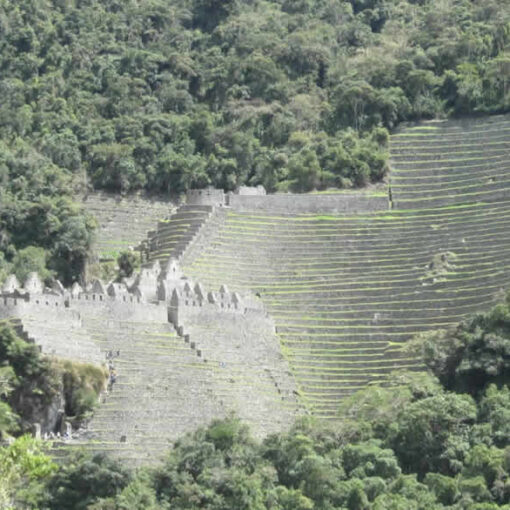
(375, 261)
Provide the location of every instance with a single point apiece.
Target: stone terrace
(347, 291)
(440, 163)
(124, 221)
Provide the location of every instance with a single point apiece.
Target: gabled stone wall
(183, 355)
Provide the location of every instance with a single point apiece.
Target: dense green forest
(164, 95)
(426, 441)
(30, 383)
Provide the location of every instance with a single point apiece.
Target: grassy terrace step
(422, 283)
(354, 234)
(454, 158)
(347, 292)
(441, 187)
(406, 146)
(433, 184)
(456, 170)
(395, 219)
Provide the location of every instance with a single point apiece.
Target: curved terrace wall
(348, 289)
(336, 203)
(440, 163)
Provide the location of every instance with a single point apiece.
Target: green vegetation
(24, 472)
(295, 95)
(167, 95)
(432, 440)
(128, 262)
(30, 383)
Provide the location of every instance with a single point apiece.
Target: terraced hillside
(149, 404)
(124, 221)
(173, 236)
(347, 292)
(451, 162)
(172, 378)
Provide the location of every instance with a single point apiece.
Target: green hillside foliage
(419, 443)
(24, 472)
(474, 354)
(30, 382)
(165, 95)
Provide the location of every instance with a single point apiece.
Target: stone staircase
(162, 390)
(173, 236)
(123, 222)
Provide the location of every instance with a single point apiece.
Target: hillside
(347, 291)
(164, 96)
(345, 310)
(339, 342)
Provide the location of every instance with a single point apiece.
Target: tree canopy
(166, 95)
(422, 441)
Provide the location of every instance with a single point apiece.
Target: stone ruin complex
(206, 351)
(269, 306)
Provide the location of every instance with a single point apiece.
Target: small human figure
(113, 378)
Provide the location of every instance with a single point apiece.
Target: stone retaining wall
(308, 203)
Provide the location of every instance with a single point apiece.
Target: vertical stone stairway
(163, 390)
(174, 235)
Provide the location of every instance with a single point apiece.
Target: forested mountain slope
(164, 95)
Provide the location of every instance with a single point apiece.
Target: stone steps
(346, 292)
(172, 237)
(124, 222)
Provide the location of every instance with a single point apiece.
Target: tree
(83, 479)
(432, 433)
(207, 14)
(305, 171)
(24, 467)
(127, 262)
(28, 260)
(472, 355)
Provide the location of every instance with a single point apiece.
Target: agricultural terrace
(347, 292)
